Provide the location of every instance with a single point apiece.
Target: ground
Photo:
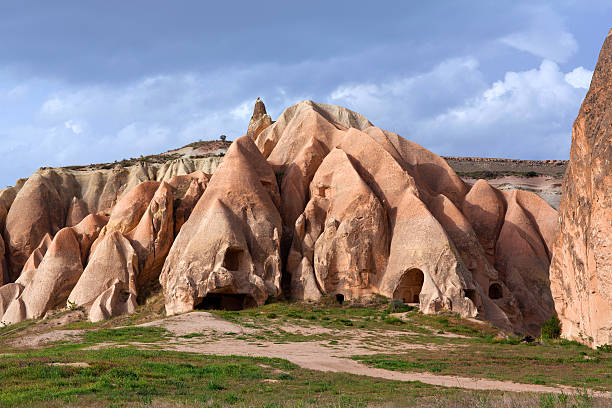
(296, 355)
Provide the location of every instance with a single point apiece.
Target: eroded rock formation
(581, 271)
(366, 211)
(228, 251)
(319, 203)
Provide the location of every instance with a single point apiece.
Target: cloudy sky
(84, 82)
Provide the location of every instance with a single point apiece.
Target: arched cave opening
(226, 301)
(340, 298)
(231, 260)
(470, 294)
(410, 286)
(496, 291)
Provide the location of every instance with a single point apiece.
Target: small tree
(551, 329)
(223, 137)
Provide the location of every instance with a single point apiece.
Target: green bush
(606, 348)
(551, 329)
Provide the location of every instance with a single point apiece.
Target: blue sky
(84, 82)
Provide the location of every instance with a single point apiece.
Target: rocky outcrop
(228, 251)
(52, 271)
(127, 251)
(366, 211)
(52, 199)
(113, 261)
(260, 120)
(319, 203)
(153, 236)
(581, 270)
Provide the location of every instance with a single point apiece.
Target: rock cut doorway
(410, 286)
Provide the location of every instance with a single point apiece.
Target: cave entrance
(340, 298)
(225, 301)
(231, 260)
(470, 294)
(410, 286)
(496, 291)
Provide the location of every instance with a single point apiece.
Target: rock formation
(228, 251)
(259, 120)
(319, 203)
(581, 271)
(366, 211)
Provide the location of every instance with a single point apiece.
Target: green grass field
(133, 369)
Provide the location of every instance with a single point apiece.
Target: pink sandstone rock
(259, 121)
(114, 301)
(581, 269)
(153, 236)
(55, 277)
(228, 250)
(113, 260)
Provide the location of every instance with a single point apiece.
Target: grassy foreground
(133, 369)
(126, 376)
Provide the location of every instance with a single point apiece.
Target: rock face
(260, 119)
(320, 203)
(52, 271)
(228, 252)
(365, 211)
(52, 199)
(581, 271)
(127, 252)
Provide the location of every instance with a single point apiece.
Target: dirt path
(318, 356)
(314, 355)
(325, 357)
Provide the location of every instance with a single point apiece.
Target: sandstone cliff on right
(581, 267)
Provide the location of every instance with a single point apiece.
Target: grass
(119, 376)
(128, 376)
(127, 334)
(378, 314)
(555, 363)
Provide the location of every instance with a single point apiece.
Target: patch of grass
(374, 315)
(132, 377)
(554, 363)
(127, 334)
(391, 362)
(192, 335)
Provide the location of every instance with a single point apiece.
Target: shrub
(606, 348)
(551, 329)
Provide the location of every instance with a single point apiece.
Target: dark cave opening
(496, 291)
(231, 260)
(410, 286)
(226, 301)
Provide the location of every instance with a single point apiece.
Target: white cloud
(52, 106)
(243, 111)
(579, 78)
(546, 35)
(526, 114)
(75, 127)
(400, 100)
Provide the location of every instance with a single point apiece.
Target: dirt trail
(314, 355)
(324, 357)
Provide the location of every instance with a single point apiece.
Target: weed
(551, 328)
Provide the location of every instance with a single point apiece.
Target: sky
(88, 82)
